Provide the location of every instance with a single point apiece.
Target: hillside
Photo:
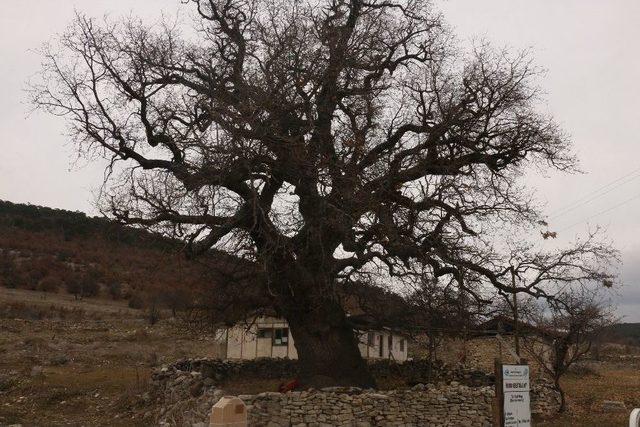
(55, 250)
(624, 333)
(70, 225)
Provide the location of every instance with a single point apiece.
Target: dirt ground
(88, 362)
(607, 381)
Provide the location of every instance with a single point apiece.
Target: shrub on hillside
(36, 270)
(175, 299)
(63, 256)
(115, 290)
(153, 314)
(10, 276)
(73, 284)
(136, 301)
(91, 288)
(82, 285)
(50, 284)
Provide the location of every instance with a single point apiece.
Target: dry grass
(43, 300)
(95, 359)
(585, 393)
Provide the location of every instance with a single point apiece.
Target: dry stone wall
(545, 400)
(187, 390)
(451, 405)
(410, 372)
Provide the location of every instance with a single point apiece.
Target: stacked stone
(221, 369)
(412, 371)
(187, 390)
(422, 370)
(186, 397)
(451, 405)
(545, 400)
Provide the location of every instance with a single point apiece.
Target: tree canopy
(329, 141)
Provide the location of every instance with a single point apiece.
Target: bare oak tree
(323, 140)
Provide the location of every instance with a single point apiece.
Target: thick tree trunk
(305, 295)
(328, 352)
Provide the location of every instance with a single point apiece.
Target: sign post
(516, 399)
(634, 418)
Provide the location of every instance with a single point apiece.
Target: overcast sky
(589, 47)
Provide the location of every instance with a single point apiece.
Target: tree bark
(328, 352)
(563, 404)
(305, 295)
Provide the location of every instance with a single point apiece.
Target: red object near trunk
(290, 386)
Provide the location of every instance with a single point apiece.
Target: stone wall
(444, 405)
(451, 405)
(220, 370)
(545, 400)
(410, 372)
(187, 390)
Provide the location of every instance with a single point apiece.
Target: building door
(263, 346)
(380, 344)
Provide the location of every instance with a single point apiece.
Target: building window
(402, 345)
(264, 332)
(281, 336)
(370, 339)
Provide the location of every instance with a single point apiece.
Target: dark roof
(505, 325)
(365, 322)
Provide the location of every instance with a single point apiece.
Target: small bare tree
(441, 309)
(567, 327)
(545, 274)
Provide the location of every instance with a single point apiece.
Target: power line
(602, 212)
(596, 194)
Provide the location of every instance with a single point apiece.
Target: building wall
(399, 348)
(481, 352)
(245, 343)
(371, 342)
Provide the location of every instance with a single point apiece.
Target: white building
(270, 337)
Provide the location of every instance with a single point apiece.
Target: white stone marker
(516, 387)
(634, 418)
(229, 411)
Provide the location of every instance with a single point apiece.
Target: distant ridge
(624, 333)
(73, 224)
(48, 249)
